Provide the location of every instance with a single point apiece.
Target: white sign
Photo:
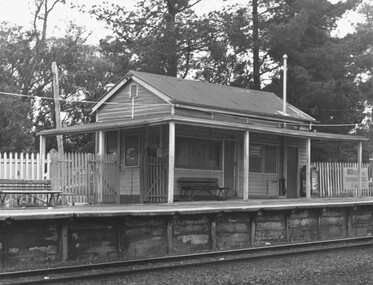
(351, 178)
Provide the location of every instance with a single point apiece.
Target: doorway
(230, 167)
(292, 157)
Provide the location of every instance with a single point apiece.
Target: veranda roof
(107, 126)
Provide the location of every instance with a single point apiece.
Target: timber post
(308, 169)
(100, 166)
(246, 166)
(53, 172)
(171, 164)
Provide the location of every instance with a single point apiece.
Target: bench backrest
(24, 181)
(22, 184)
(199, 182)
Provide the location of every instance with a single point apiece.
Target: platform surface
(192, 207)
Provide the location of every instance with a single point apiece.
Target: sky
(18, 12)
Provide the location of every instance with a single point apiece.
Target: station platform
(181, 208)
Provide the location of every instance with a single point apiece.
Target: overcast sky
(18, 12)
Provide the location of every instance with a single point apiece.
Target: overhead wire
(129, 104)
(74, 101)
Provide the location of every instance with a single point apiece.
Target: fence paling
(24, 166)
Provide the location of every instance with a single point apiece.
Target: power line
(75, 101)
(49, 98)
(129, 104)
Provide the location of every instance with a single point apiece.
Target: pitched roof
(213, 96)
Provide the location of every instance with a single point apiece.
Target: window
(112, 142)
(263, 158)
(131, 148)
(198, 153)
(133, 91)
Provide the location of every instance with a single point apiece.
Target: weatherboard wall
(157, 136)
(120, 105)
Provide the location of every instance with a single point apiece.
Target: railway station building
(163, 128)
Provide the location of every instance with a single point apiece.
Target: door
(292, 154)
(230, 163)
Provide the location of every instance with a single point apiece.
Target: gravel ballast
(352, 266)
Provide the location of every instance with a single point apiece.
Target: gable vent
(134, 91)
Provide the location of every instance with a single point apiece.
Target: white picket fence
(82, 178)
(24, 166)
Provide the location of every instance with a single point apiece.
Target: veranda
(86, 178)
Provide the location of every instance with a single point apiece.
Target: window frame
(132, 96)
(189, 164)
(263, 157)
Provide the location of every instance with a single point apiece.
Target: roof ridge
(197, 81)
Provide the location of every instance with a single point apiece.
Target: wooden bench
(39, 190)
(191, 186)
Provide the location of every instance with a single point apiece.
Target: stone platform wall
(102, 239)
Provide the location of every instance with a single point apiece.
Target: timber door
(230, 163)
(292, 154)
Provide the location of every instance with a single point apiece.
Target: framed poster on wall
(131, 145)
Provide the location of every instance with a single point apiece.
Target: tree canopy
(329, 76)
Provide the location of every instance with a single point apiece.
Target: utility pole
(57, 107)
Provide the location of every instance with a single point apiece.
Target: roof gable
(211, 96)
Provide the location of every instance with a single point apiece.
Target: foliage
(83, 75)
(329, 77)
(159, 37)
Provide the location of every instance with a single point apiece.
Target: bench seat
(192, 186)
(39, 190)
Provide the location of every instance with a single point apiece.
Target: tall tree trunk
(256, 66)
(171, 50)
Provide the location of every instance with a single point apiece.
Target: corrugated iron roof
(209, 95)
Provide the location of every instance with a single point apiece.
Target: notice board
(351, 178)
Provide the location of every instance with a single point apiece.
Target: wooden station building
(163, 128)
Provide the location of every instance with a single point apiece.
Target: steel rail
(46, 275)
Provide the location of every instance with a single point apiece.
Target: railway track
(122, 268)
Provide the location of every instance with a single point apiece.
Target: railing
(334, 181)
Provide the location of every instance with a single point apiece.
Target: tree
(159, 37)
(15, 112)
(83, 76)
(320, 78)
(225, 58)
